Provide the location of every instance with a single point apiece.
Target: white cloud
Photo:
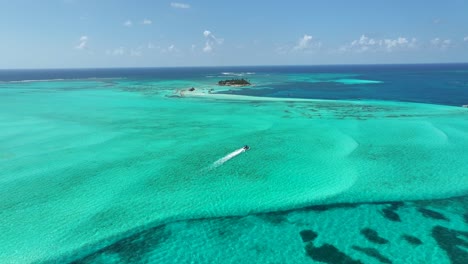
(441, 43)
(207, 48)
(116, 52)
(193, 47)
(303, 42)
(210, 35)
(398, 42)
(364, 43)
(306, 42)
(465, 38)
(180, 5)
(128, 23)
(151, 45)
(83, 43)
(211, 41)
(147, 22)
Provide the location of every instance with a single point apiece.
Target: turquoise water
(121, 170)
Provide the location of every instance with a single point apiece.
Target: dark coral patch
(131, 249)
(373, 236)
(395, 205)
(452, 243)
(273, 218)
(465, 217)
(325, 207)
(412, 240)
(374, 253)
(329, 254)
(432, 214)
(390, 215)
(308, 235)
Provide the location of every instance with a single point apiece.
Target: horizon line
(228, 66)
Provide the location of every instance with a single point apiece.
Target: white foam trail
(229, 156)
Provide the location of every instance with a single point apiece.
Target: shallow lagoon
(86, 164)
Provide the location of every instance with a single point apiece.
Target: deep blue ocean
(426, 83)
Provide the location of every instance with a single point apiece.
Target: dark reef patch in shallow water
(395, 205)
(374, 253)
(452, 242)
(373, 236)
(273, 218)
(329, 254)
(225, 226)
(390, 215)
(432, 214)
(465, 217)
(325, 207)
(390, 211)
(134, 248)
(308, 235)
(412, 239)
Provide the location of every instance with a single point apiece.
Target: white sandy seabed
(83, 168)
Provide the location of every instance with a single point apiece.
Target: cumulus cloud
(303, 42)
(128, 23)
(83, 44)
(180, 5)
(211, 41)
(307, 42)
(365, 43)
(398, 42)
(147, 22)
(208, 47)
(465, 38)
(441, 43)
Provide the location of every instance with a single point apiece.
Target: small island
(234, 82)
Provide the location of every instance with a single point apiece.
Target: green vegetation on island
(234, 82)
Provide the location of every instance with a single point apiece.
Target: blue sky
(153, 33)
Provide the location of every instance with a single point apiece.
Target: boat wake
(229, 156)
